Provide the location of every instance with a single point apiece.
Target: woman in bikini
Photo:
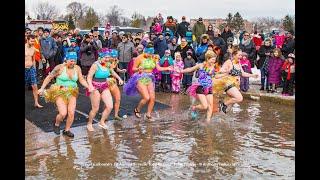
(229, 81)
(143, 80)
(98, 79)
(65, 91)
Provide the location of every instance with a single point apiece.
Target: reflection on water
(255, 140)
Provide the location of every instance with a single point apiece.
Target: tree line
(85, 17)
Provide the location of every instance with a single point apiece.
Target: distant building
(50, 24)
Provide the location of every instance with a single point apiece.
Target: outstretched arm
(245, 74)
(48, 79)
(191, 69)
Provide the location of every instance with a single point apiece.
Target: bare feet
(38, 106)
(103, 125)
(90, 127)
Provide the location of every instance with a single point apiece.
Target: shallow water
(254, 140)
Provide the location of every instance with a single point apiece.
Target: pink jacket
(157, 28)
(177, 65)
(279, 40)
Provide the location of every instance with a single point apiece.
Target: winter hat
(46, 30)
(204, 36)
(291, 55)
(244, 54)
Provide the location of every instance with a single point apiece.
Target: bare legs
(35, 96)
(148, 95)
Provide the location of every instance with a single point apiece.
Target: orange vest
(37, 48)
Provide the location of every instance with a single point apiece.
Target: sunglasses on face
(246, 35)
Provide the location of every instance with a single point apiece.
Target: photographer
(87, 50)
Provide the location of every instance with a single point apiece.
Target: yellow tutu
(56, 91)
(220, 85)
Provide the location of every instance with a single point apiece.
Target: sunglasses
(95, 36)
(246, 35)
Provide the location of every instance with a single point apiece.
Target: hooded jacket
(48, 47)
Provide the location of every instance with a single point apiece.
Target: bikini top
(64, 80)
(101, 72)
(234, 71)
(148, 64)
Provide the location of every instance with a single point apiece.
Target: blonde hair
(176, 54)
(210, 54)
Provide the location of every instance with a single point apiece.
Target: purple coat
(274, 70)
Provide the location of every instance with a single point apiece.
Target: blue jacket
(201, 50)
(160, 46)
(170, 60)
(48, 47)
(189, 36)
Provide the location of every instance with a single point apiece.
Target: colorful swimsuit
(227, 82)
(204, 84)
(101, 80)
(130, 88)
(64, 87)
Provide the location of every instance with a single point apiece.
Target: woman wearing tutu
(143, 80)
(229, 81)
(202, 90)
(65, 91)
(98, 79)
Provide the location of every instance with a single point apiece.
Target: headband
(149, 50)
(71, 55)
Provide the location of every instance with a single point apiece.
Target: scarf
(246, 42)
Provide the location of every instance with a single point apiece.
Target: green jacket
(198, 29)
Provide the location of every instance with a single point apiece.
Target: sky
(249, 9)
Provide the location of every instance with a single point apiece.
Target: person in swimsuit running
(98, 79)
(202, 89)
(65, 91)
(143, 80)
(229, 82)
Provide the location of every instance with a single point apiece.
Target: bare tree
(114, 15)
(138, 20)
(77, 10)
(102, 19)
(46, 11)
(266, 23)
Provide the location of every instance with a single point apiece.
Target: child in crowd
(187, 77)
(246, 66)
(166, 61)
(288, 72)
(274, 70)
(175, 75)
(157, 75)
